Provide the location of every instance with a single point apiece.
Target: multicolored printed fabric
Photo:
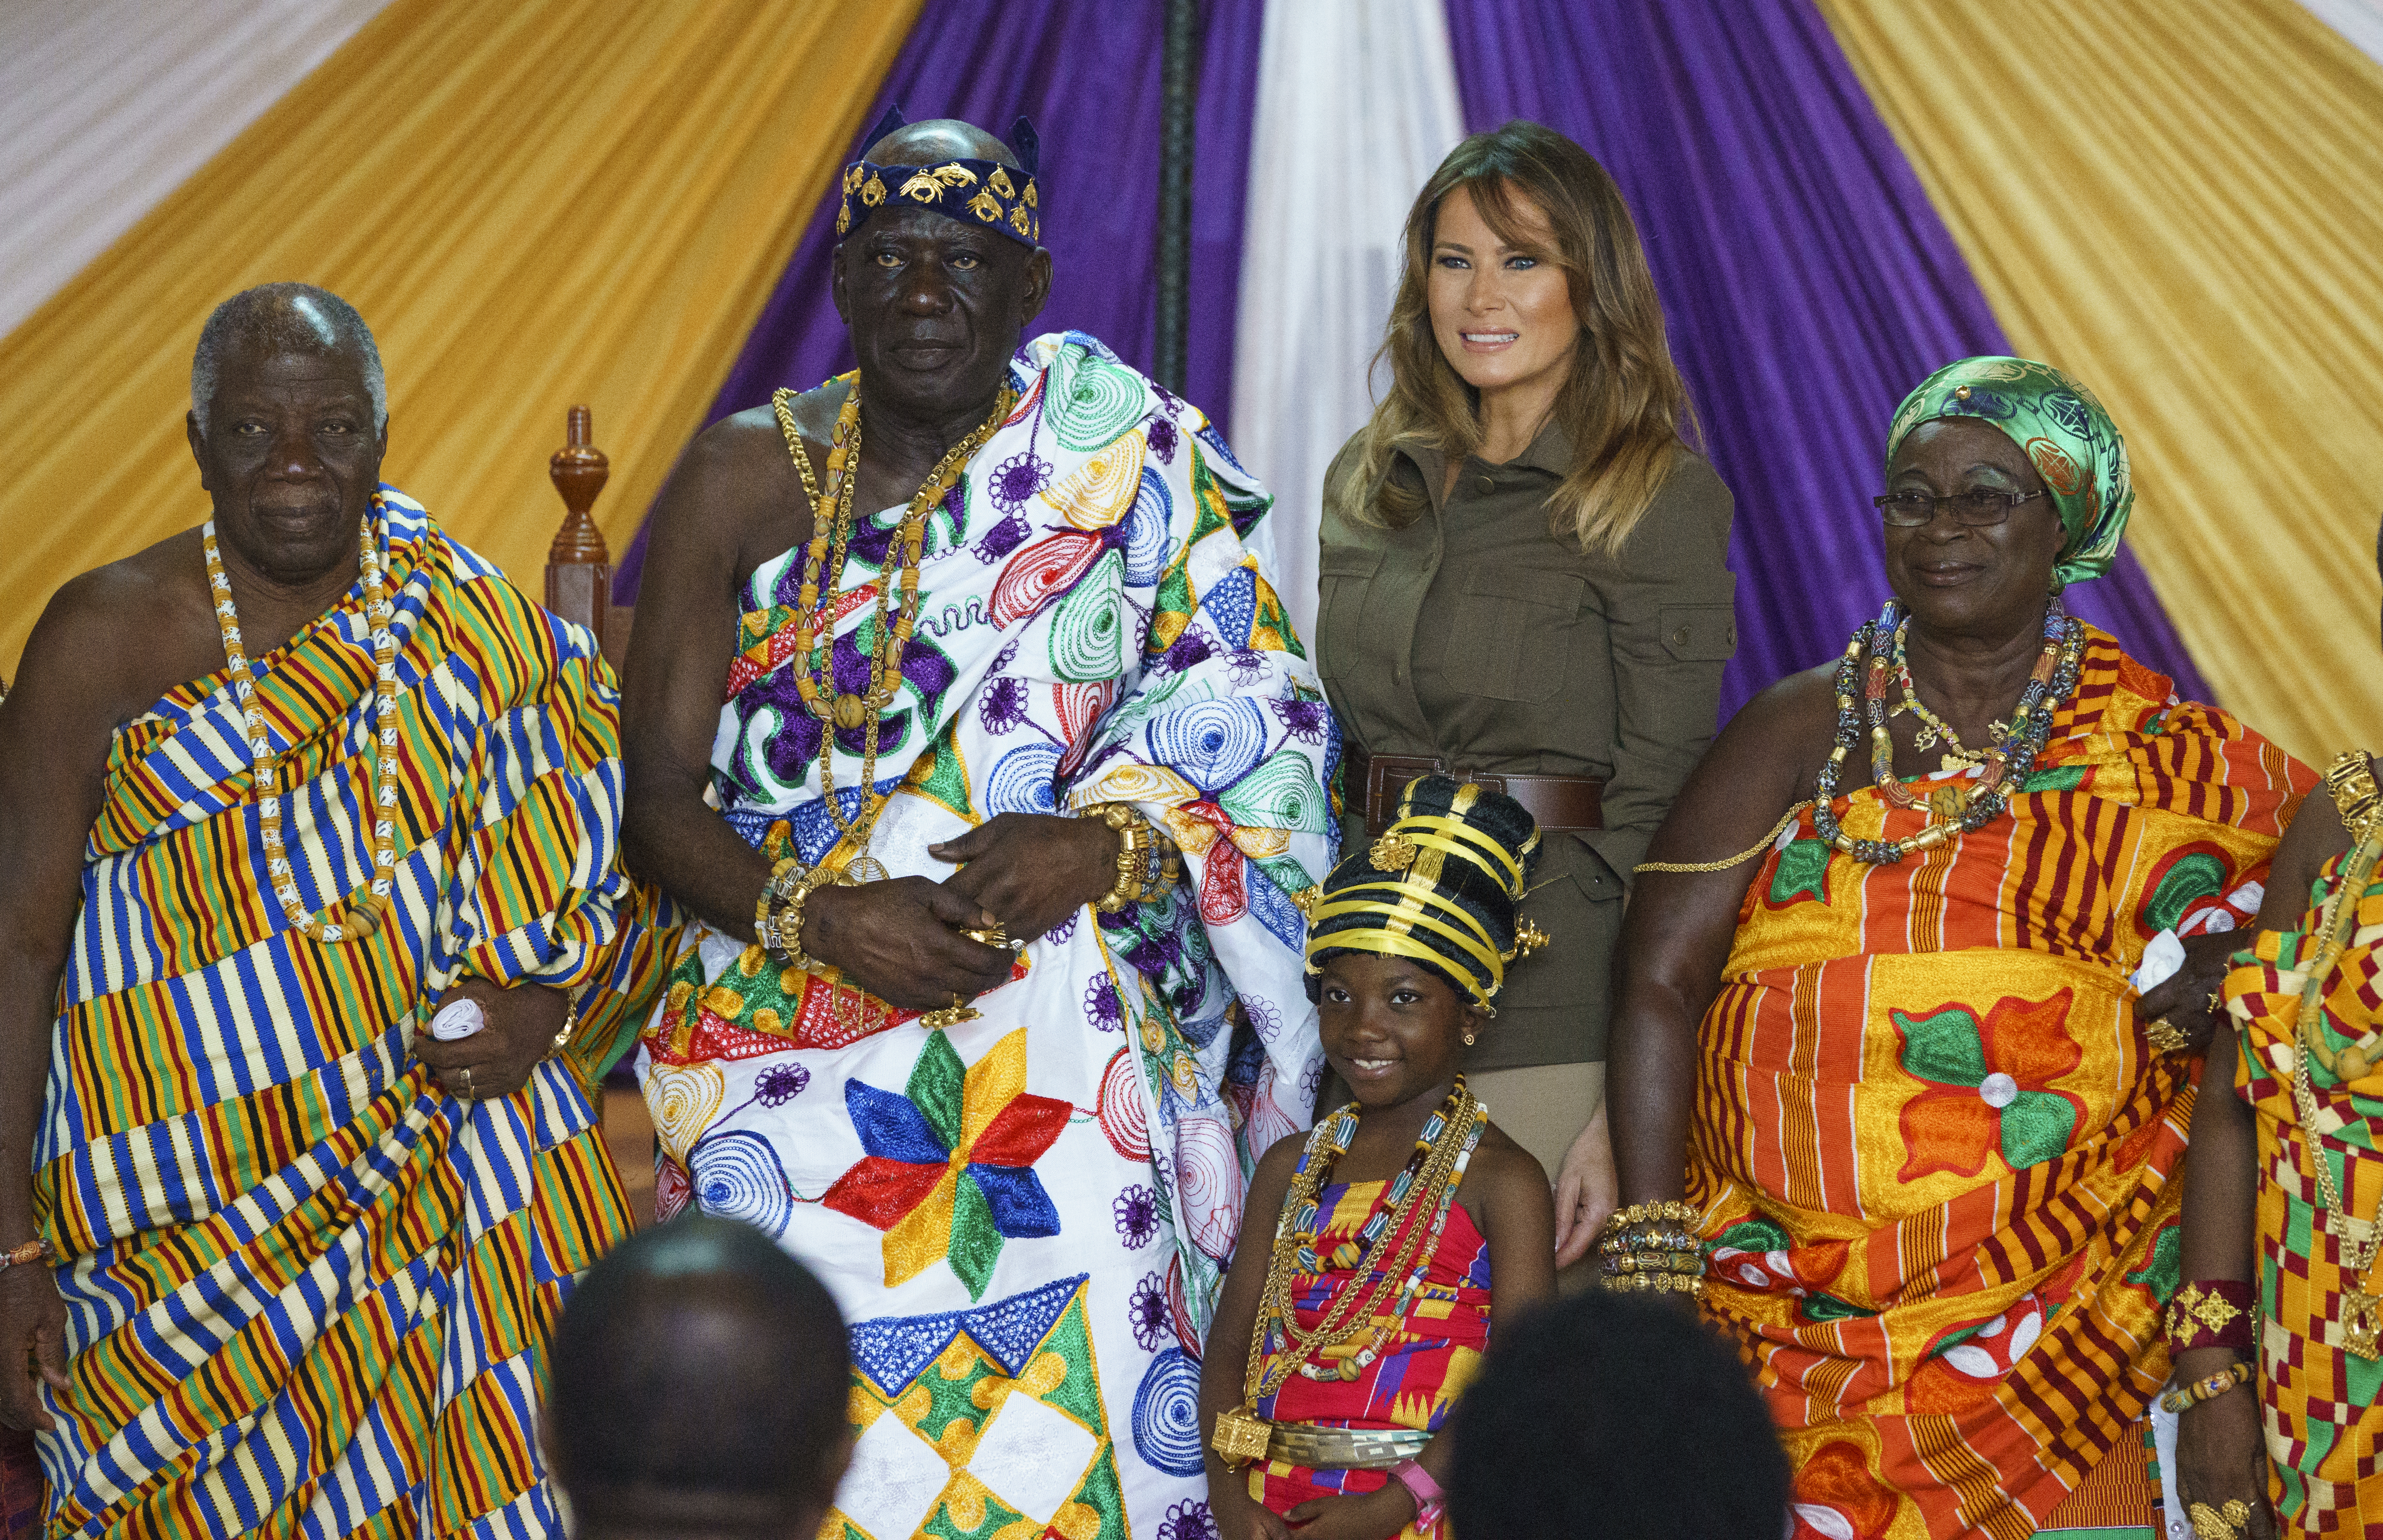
(306, 1288)
(1425, 1359)
(1932, 1146)
(2323, 1404)
(1095, 626)
(2071, 440)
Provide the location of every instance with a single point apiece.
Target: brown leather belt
(1558, 802)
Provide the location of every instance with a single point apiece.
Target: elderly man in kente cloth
(272, 793)
(995, 986)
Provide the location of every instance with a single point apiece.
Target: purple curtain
(1808, 281)
(1086, 72)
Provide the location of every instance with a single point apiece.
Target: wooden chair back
(578, 564)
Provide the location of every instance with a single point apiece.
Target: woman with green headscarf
(1878, 1037)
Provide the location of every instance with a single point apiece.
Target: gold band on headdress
(1478, 945)
(1427, 829)
(1392, 942)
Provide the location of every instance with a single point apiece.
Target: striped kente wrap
(2324, 1416)
(1934, 1151)
(306, 1289)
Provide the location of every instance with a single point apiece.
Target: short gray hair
(288, 317)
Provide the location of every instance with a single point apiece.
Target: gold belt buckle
(1242, 1437)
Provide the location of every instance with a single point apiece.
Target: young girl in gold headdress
(1376, 1248)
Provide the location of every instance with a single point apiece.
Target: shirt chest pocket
(1512, 638)
(1344, 575)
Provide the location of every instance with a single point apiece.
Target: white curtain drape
(107, 105)
(1356, 106)
(2359, 21)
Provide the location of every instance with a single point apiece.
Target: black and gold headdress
(1439, 887)
(982, 192)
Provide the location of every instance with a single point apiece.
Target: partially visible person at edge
(1379, 1250)
(700, 1385)
(1652, 1402)
(1055, 650)
(2281, 1257)
(1877, 1025)
(295, 1253)
(1525, 578)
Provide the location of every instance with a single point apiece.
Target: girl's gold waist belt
(1325, 1448)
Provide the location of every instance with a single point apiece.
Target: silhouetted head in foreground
(1607, 1416)
(698, 1390)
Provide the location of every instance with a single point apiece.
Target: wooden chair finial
(578, 564)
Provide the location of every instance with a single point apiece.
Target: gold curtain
(2180, 202)
(534, 204)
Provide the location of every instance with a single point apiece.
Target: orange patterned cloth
(1930, 1145)
(2324, 1413)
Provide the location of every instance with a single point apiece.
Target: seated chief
(995, 980)
(280, 1259)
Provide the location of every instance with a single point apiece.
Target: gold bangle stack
(1146, 862)
(778, 914)
(1654, 1247)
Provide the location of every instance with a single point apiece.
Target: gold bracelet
(778, 919)
(1672, 1209)
(1146, 864)
(772, 893)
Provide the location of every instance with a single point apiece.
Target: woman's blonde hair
(1624, 406)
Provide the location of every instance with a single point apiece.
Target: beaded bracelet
(2211, 1312)
(1672, 1209)
(30, 1251)
(2185, 1396)
(1657, 1283)
(778, 918)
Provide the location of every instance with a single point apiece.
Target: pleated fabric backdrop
(552, 201)
(532, 204)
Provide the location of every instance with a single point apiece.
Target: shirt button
(1488, 484)
(1680, 637)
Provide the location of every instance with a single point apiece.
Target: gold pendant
(1926, 738)
(1242, 1436)
(948, 1017)
(2362, 1320)
(863, 868)
(851, 712)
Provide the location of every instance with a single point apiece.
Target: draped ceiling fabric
(2200, 235)
(106, 105)
(1086, 72)
(1806, 282)
(535, 204)
(1356, 108)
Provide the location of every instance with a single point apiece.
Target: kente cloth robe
(306, 1288)
(1933, 1150)
(2323, 1401)
(1025, 1216)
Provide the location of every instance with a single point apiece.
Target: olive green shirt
(1475, 636)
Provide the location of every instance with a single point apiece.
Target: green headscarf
(2075, 447)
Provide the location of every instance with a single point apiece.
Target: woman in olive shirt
(1525, 578)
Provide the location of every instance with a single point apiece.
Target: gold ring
(2165, 1037)
(2218, 1524)
(467, 1072)
(992, 935)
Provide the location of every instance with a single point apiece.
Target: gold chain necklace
(380, 803)
(822, 585)
(1931, 726)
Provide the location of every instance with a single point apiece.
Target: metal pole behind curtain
(1180, 89)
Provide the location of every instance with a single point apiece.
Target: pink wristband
(1429, 1500)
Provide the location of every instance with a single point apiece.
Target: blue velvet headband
(982, 192)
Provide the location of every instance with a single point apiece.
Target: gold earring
(1468, 1040)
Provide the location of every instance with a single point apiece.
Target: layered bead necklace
(339, 923)
(822, 584)
(1442, 1151)
(2006, 764)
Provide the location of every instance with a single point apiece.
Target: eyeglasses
(1972, 510)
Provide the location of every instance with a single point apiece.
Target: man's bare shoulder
(76, 660)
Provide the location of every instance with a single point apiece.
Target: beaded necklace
(2007, 763)
(1445, 1148)
(339, 923)
(822, 585)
